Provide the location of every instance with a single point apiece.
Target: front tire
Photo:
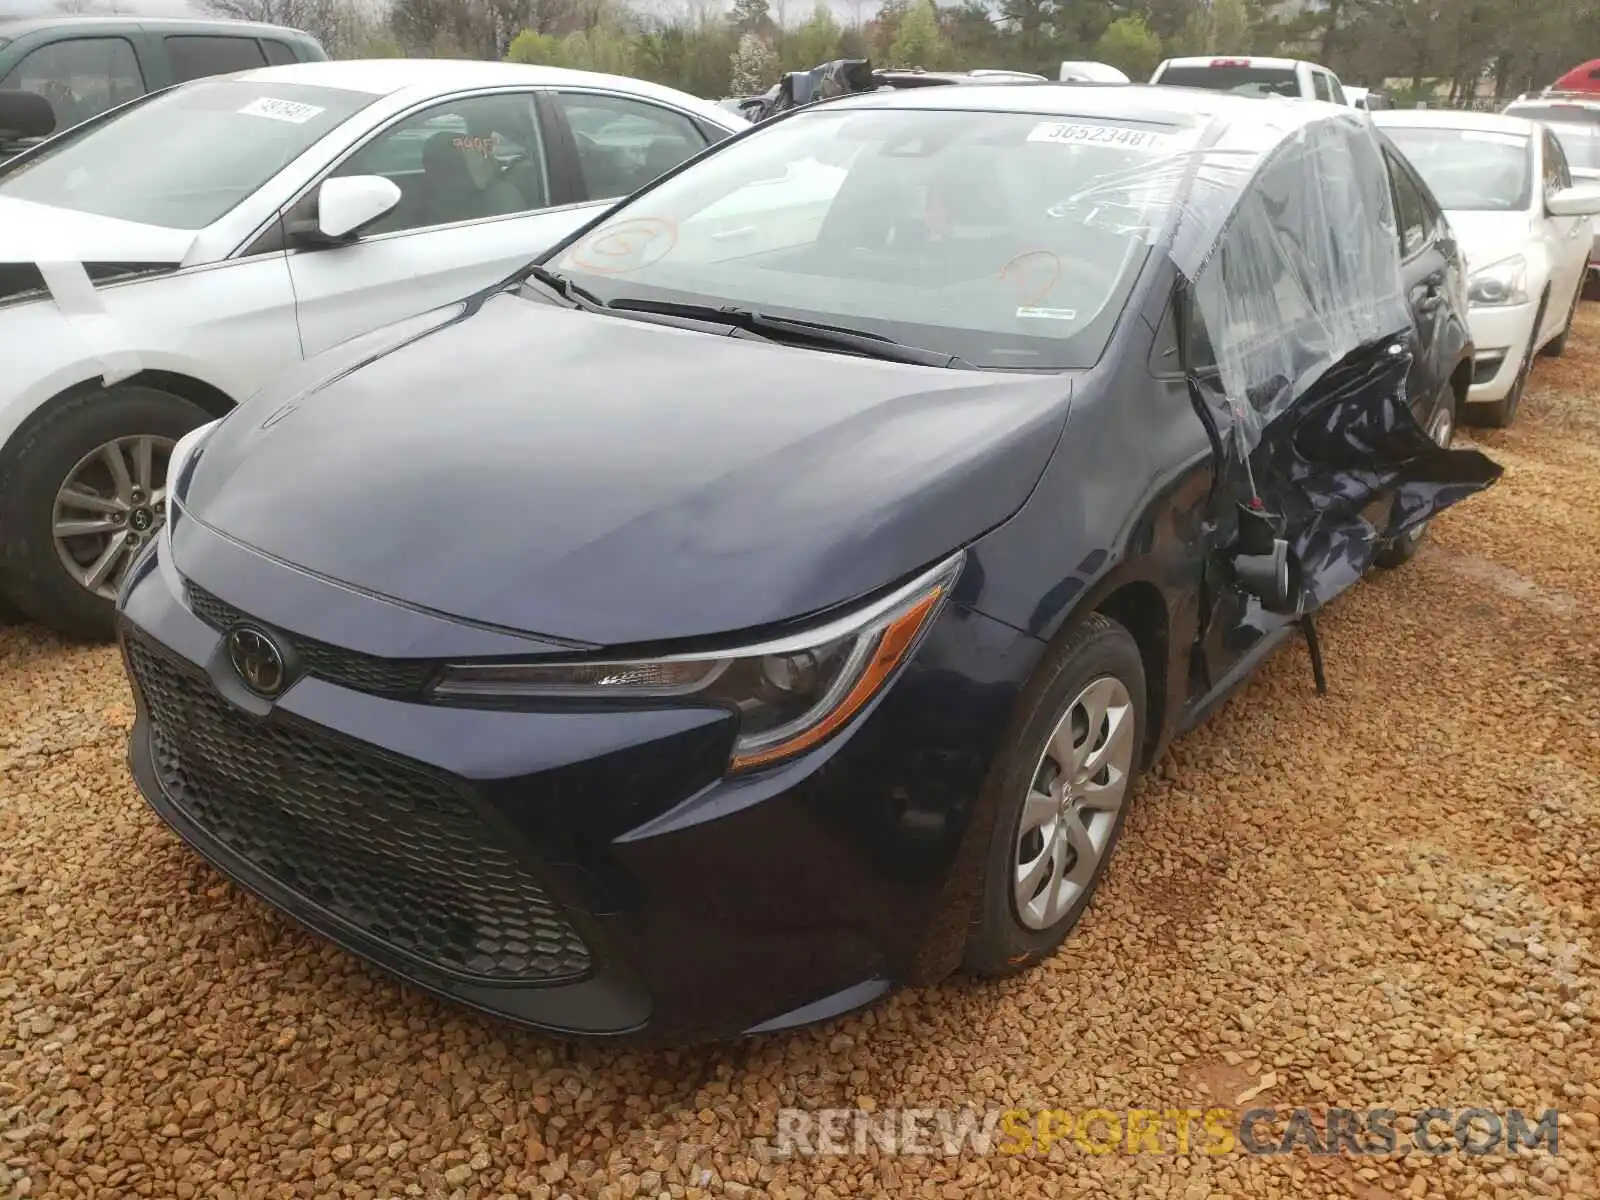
(85, 490)
(1065, 781)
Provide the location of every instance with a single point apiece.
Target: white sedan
(1523, 224)
(159, 263)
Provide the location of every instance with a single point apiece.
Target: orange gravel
(1389, 897)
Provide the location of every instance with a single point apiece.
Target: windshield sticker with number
(1047, 314)
(1097, 135)
(280, 110)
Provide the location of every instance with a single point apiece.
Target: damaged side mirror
(1261, 561)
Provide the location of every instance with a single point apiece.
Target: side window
(1338, 91)
(194, 57)
(624, 143)
(463, 160)
(1319, 84)
(1411, 211)
(81, 77)
(278, 54)
(1556, 172)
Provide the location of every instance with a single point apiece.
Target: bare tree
(337, 24)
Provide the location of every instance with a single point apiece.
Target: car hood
(615, 482)
(35, 233)
(1488, 237)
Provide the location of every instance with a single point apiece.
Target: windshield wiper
(578, 297)
(805, 333)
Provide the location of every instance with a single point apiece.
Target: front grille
(396, 678)
(393, 850)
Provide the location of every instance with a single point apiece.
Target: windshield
(1245, 81)
(184, 158)
(1007, 240)
(1470, 170)
(1580, 143)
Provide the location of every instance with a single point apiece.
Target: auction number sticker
(1494, 138)
(280, 110)
(1096, 135)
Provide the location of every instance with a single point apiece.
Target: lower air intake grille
(384, 845)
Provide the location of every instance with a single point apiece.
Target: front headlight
(1499, 283)
(789, 693)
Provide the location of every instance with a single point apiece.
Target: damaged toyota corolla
(772, 595)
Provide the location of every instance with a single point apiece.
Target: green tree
(1128, 44)
(751, 16)
(1230, 28)
(815, 42)
(920, 42)
(603, 48)
(539, 49)
(755, 65)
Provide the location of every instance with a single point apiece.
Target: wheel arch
(1131, 595)
(1139, 607)
(206, 396)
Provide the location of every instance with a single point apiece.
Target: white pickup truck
(1253, 77)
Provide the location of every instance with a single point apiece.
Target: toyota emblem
(257, 660)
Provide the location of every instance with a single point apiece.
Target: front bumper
(1501, 336)
(584, 872)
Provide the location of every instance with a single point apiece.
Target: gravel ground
(1388, 897)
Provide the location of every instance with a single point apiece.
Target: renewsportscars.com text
(1216, 1131)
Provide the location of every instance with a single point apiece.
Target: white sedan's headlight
(1500, 283)
(790, 693)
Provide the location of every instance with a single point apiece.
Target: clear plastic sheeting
(1301, 269)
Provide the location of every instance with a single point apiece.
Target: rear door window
(278, 53)
(195, 57)
(624, 143)
(81, 77)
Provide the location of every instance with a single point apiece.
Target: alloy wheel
(114, 501)
(1073, 802)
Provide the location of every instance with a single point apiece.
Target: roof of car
(1155, 104)
(1449, 118)
(426, 77)
(16, 27)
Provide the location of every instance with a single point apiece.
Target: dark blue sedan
(773, 594)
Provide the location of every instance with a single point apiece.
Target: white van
(1253, 77)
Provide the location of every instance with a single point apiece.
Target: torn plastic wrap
(1305, 268)
(1299, 348)
(1349, 468)
(841, 77)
